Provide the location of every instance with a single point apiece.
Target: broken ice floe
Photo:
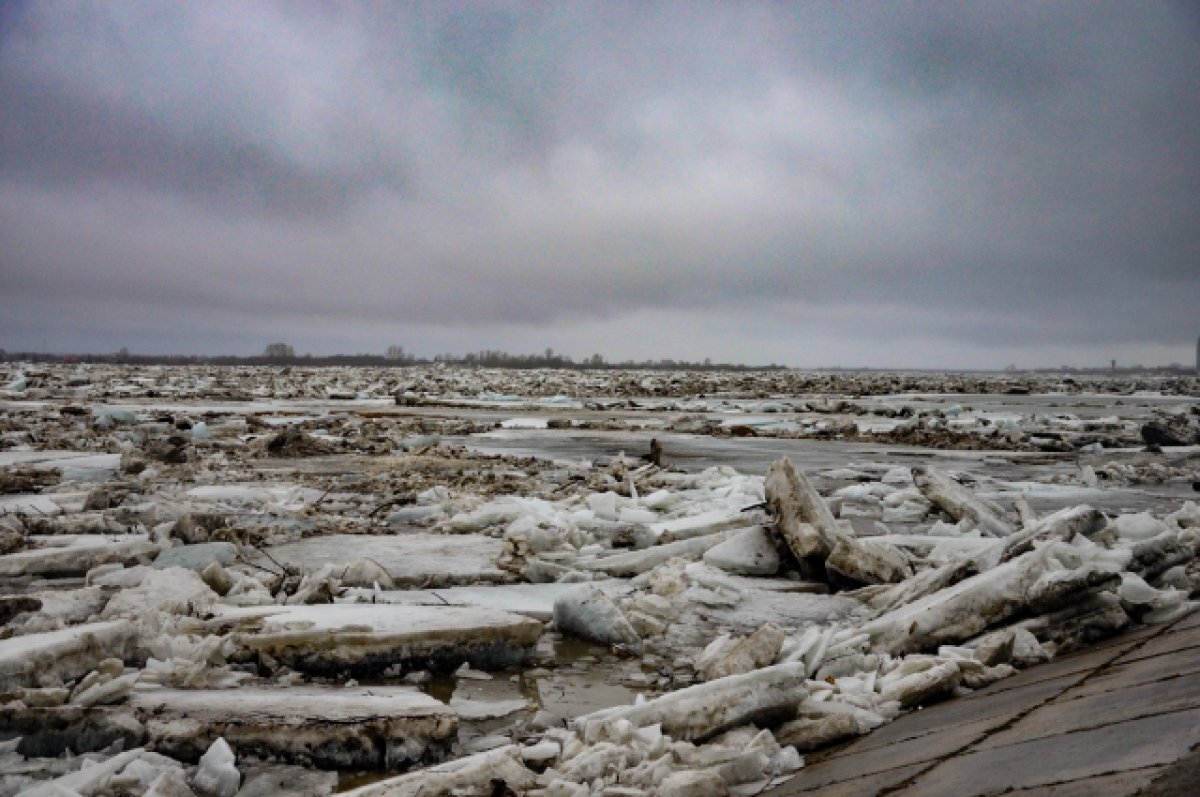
(408, 560)
(328, 727)
(51, 657)
(75, 555)
(363, 638)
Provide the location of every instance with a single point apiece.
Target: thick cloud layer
(868, 184)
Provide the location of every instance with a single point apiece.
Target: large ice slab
(376, 728)
(75, 554)
(61, 655)
(531, 600)
(704, 710)
(410, 559)
(365, 638)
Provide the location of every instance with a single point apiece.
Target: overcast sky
(858, 184)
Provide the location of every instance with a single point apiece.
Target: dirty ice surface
(427, 580)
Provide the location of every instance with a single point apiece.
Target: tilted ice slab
(1049, 576)
(381, 727)
(702, 711)
(364, 638)
(61, 655)
(704, 523)
(75, 554)
(409, 559)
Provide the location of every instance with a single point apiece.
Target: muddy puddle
(570, 677)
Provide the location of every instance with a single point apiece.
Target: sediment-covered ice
(328, 727)
(337, 638)
(52, 657)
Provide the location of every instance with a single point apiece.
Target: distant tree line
(283, 354)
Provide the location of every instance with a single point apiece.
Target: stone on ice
(409, 559)
(702, 711)
(73, 555)
(380, 727)
(959, 502)
(55, 656)
(364, 638)
(750, 552)
(588, 613)
(801, 514)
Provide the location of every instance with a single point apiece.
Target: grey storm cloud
(977, 180)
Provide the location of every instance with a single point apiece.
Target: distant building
(1197, 356)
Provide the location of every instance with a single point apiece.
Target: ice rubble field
(286, 581)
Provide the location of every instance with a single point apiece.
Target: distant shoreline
(533, 362)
